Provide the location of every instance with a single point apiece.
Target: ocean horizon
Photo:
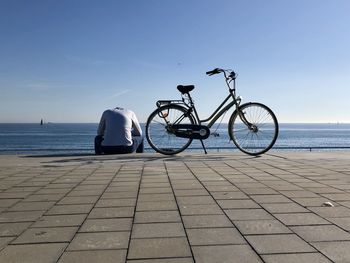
(77, 138)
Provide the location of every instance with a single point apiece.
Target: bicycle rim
(158, 135)
(261, 135)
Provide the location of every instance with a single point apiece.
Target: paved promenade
(188, 208)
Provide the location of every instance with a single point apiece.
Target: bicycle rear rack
(160, 103)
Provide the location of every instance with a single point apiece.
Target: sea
(77, 138)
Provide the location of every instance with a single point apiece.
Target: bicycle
(170, 129)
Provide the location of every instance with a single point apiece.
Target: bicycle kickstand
(205, 150)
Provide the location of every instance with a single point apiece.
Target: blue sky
(69, 60)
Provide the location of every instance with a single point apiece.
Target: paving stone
(293, 258)
(321, 233)
(155, 197)
(292, 194)
(200, 210)
(158, 248)
(247, 214)
(101, 240)
(328, 212)
(8, 202)
(310, 201)
(32, 253)
(343, 222)
(336, 251)
(60, 220)
(12, 217)
(190, 192)
(44, 235)
(4, 241)
(257, 227)
(120, 195)
(163, 260)
(229, 195)
(156, 206)
(283, 243)
(200, 221)
(225, 254)
(74, 200)
(195, 200)
(156, 190)
(105, 256)
(111, 212)
(296, 219)
(157, 217)
(13, 229)
(69, 209)
(44, 198)
(215, 236)
(152, 230)
(270, 199)
(110, 224)
(116, 202)
(284, 208)
(228, 204)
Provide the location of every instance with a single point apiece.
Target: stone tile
(110, 224)
(201, 221)
(105, 256)
(152, 230)
(44, 235)
(221, 188)
(247, 214)
(190, 192)
(31, 206)
(44, 198)
(156, 206)
(284, 243)
(8, 202)
(97, 241)
(195, 200)
(163, 260)
(292, 194)
(159, 248)
(157, 217)
(12, 217)
(258, 227)
(338, 197)
(328, 212)
(284, 208)
(321, 233)
(75, 200)
(259, 191)
(310, 201)
(120, 195)
(214, 236)
(60, 220)
(300, 219)
(225, 253)
(156, 190)
(293, 258)
(336, 251)
(116, 202)
(13, 229)
(270, 199)
(155, 197)
(69, 209)
(228, 204)
(32, 253)
(200, 210)
(343, 222)
(111, 212)
(229, 195)
(4, 241)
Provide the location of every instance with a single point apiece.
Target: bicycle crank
(191, 131)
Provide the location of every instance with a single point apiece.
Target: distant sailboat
(41, 122)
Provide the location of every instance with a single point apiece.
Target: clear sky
(69, 60)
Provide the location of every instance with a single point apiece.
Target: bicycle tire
(262, 137)
(157, 134)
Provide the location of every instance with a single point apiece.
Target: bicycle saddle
(185, 89)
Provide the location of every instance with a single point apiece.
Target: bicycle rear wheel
(258, 137)
(158, 129)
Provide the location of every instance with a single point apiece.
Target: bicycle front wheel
(158, 129)
(254, 129)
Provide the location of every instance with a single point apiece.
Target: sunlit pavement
(222, 207)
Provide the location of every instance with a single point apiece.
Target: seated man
(118, 132)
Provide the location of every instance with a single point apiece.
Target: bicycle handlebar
(231, 73)
(214, 71)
